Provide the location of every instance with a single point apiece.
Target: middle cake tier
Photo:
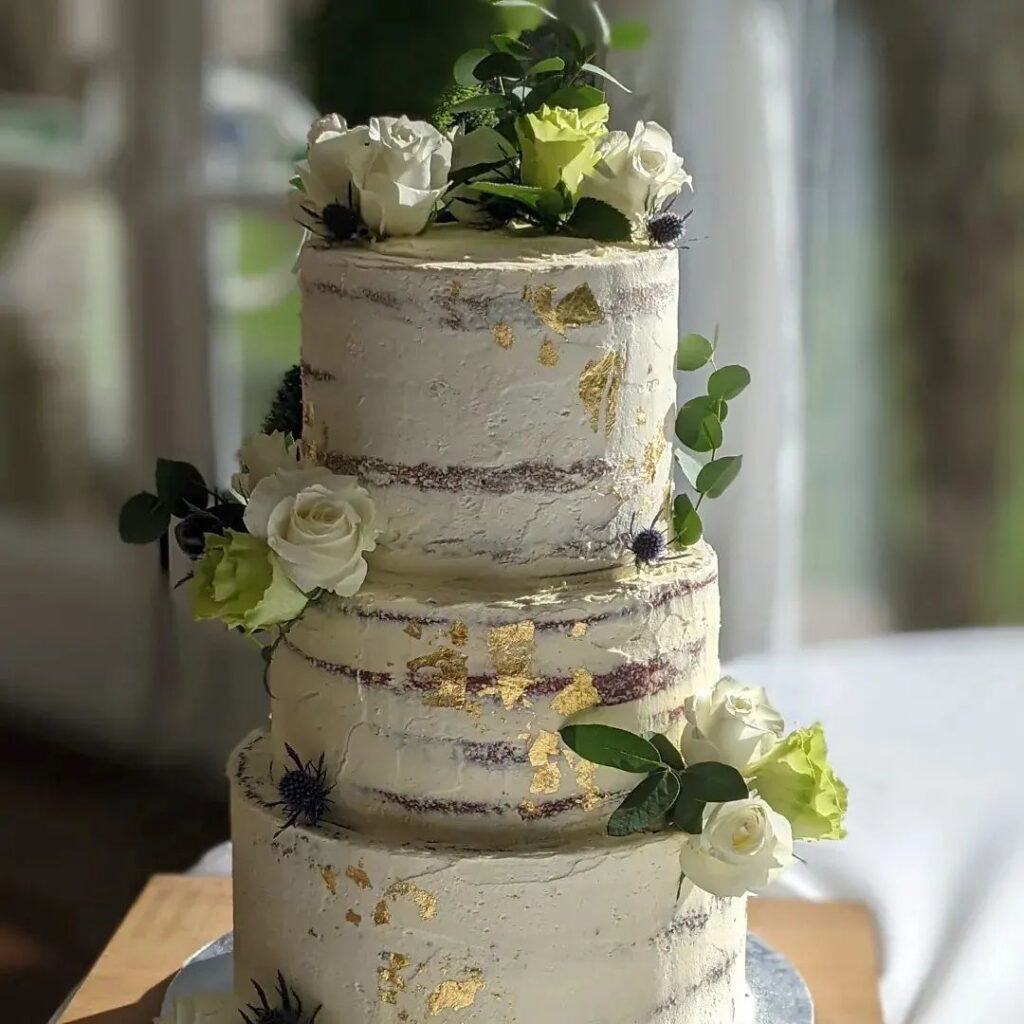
(437, 709)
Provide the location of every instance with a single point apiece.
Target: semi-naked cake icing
(506, 402)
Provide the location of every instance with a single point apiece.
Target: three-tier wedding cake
(502, 781)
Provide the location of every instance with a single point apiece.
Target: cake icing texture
(505, 401)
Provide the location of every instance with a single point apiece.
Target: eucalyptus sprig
(699, 428)
(672, 794)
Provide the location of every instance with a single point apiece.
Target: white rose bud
(733, 723)
(263, 455)
(745, 846)
(320, 526)
(636, 175)
(402, 175)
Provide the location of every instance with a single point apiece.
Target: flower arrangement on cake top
(738, 789)
(522, 143)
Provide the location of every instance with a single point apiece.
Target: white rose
(328, 170)
(745, 846)
(636, 175)
(480, 146)
(320, 525)
(262, 455)
(733, 724)
(402, 174)
(334, 123)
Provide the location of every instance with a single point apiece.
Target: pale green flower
(239, 580)
(560, 144)
(796, 780)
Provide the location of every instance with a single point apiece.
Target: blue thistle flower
(304, 792)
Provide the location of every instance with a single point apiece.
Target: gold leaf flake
(455, 994)
(511, 652)
(403, 1015)
(353, 918)
(451, 677)
(652, 456)
(330, 877)
(548, 355)
(599, 384)
(529, 810)
(459, 634)
(381, 913)
(414, 629)
(577, 309)
(546, 777)
(455, 290)
(389, 977)
(641, 418)
(585, 780)
(503, 335)
(579, 695)
(359, 876)
(578, 630)
(630, 464)
(426, 902)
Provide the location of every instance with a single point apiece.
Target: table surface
(831, 944)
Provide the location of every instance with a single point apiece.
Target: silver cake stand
(778, 993)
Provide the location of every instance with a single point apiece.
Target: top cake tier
(505, 399)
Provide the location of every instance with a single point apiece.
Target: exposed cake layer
(437, 708)
(505, 399)
(381, 933)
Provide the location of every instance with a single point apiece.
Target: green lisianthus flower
(796, 780)
(560, 145)
(239, 581)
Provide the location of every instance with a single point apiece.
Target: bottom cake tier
(380, 932)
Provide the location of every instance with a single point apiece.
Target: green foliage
(180, 492)
(699, 428)
(285, 413)
(144, 518)
(593, 218)
(628, 34)
(451, 110)
(673, 794)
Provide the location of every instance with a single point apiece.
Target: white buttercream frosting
(506, 400)
(383, 932)
(437, 705)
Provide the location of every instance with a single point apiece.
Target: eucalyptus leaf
(498, 65)
(181, 487)
(464, 174)
(667, 749)
(693, 352)
(614, 748)
(463, 69)
(540, 93)
(728, 382)
(510, 44)
(645, 808)
(297, 183)
(718, 474)
(143, 519)
(546, 202)
(576, 97)
(487, 101)
(715, 783)
(628, 34)
(686, 522)
(604, 26)
(688, 814)
(593, 69)
(698, 426)
(690, 466)
(594, 218)
(546, 66)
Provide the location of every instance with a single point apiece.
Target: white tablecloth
(928, 732)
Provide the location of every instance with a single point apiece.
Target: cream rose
(326, 173)
(636, 175)
(733, 723)
(319, 525)
(262, 455)
(745, 846)
(401, 175)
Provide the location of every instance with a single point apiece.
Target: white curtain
(722, 76)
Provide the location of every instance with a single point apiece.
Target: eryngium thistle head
(304, 792)
(648, 546)
(666, 229)
(286, 410)
(340, 222)
(287, 1011)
